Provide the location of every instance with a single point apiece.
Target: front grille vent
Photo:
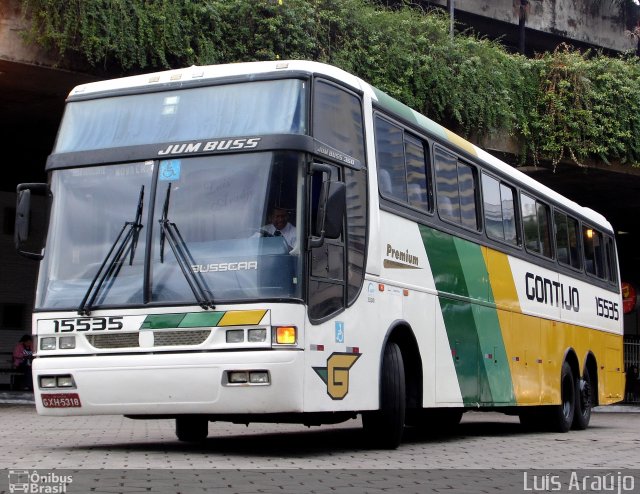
(171, 338)
(119, 340)
(160, 338)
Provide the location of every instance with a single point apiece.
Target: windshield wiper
(169, 232)
(111, 265)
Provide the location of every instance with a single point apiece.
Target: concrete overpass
(33, 88)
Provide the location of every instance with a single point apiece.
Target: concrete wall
(574, 19)
(13, 46)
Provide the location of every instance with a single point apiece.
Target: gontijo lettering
(552, 292)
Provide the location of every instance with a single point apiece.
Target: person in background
(22, 357)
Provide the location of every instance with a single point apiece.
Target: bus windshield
(229, 110)
(216, 214)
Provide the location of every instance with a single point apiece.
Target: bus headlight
(237, 377)
(47, 343)
(259, 377)
(65, 382)
(67, 342)
(235, 336)
(47, 382)
(257, 335)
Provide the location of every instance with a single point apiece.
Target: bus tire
(584, 402)
(561, 416)
(384, 427)
(192, 429)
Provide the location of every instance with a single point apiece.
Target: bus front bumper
(167, 384)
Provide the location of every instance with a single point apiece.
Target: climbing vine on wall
(562, 106)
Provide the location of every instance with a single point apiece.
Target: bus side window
(593, 251)
(392, 180)
(337, 119)
(536, 224)
(447, 185)
(499, 210)
(611, 259)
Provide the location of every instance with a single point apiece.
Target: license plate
(61, 400)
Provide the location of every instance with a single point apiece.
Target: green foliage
(563, 105)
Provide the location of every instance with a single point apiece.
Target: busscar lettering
(209, 146)
(224, 266)
(550, 292)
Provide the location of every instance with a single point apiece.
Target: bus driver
(280, 226)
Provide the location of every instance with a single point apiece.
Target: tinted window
(507, 197)
(535, 221)
(390, 154)
(492, 207)
(229, 110)
(456, 190)
(611, 259)
(447, 186)
(337, 119)
(567, 246)
(593, 251)
(467, 190)
(416, 173)
(499, 213)
(356, 230)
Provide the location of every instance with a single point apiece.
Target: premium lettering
(404, 256)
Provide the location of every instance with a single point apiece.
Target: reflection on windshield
(223, 207)
(89, 209)
(124, 245)
(238, 219)
(170, 233)
(230, 110)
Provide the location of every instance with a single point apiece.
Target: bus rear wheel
(562, 415)
(584, 402)
(192, 429)
(384, 427)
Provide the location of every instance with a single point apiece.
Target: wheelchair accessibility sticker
(336, 374)
(170, 170)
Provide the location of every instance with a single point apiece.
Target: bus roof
(178, 77)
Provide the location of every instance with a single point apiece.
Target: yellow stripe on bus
(536, 346)
(242, 317)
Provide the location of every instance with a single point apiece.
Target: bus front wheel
(386, 425)
(192, 429)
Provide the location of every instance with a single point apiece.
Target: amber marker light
(285, 335)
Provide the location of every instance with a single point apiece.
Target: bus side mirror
(23, 218)
(334, 209)
(332, 205)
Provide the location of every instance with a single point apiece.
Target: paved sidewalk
(26, 398)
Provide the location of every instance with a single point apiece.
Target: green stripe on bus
(473, 330)
(201, 319)
(493, 355)
(190, 320)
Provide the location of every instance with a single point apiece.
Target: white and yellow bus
(282, 242)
